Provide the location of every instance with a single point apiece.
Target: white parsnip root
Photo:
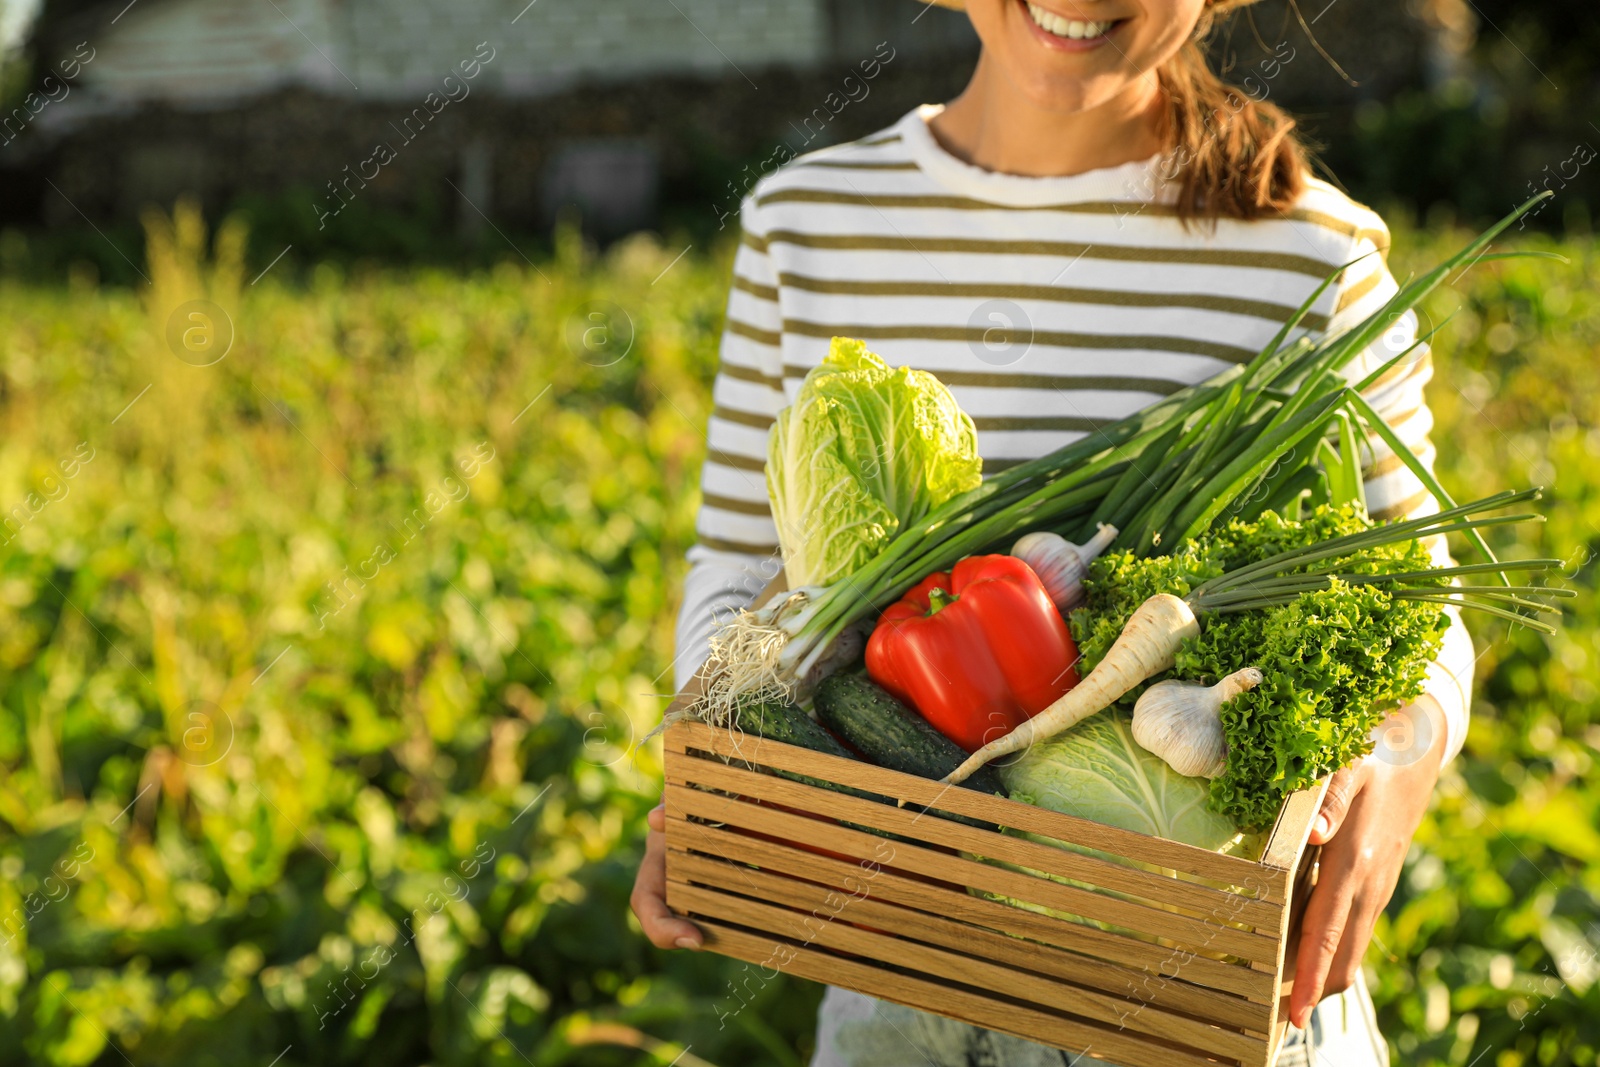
(1147, 646)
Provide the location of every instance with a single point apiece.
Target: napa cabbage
(864, 450)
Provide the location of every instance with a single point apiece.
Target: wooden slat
(684, 736)
(1303, 884)
(1290, 941)
(988, 1011)
(1290, 833)
(1195, 934)
(1151, 886)
(1131, 962)
(967, 970)
(1286, 849)
(1120, 993)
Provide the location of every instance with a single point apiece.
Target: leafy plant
(321, 673)
(482, 689)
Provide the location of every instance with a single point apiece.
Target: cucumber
(776, 720)
(891, 734)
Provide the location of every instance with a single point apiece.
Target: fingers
(1342, 789)
(1352, 949)
(1322, 936)
(1366, 905)
(657, 819)
(649, 899)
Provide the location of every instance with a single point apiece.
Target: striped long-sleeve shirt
(1049, 306)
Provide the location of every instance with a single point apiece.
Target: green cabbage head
(863, 451)
(1097, 771)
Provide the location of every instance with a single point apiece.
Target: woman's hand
(649, 898)
(1368, 816)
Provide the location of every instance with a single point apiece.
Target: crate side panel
(686, 736)
(1119, 998)
(981, 974)
(1199, 935)
(1126, 965)
(1150, 886)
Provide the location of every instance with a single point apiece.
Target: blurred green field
(321, 669)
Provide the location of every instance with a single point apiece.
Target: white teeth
(1078, 31)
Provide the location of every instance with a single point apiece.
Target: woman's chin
(1067, 82)
(1070, 96)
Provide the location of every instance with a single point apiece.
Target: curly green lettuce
(1335, 661)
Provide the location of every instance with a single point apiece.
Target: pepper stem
(939, 599)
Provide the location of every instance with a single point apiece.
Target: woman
(1093, 223)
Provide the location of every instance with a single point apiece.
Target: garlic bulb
(1060, 564)
(1182, 722)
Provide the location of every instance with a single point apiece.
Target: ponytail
(1231, 156)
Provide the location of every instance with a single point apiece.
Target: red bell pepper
(976, 651)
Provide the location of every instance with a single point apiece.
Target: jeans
(858, 1031)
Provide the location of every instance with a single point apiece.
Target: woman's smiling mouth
(1070, 34)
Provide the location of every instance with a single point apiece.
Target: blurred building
(511, 110)
(520, 107)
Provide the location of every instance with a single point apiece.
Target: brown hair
(1231, 155)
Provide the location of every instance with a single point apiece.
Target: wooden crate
(1175, 969)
